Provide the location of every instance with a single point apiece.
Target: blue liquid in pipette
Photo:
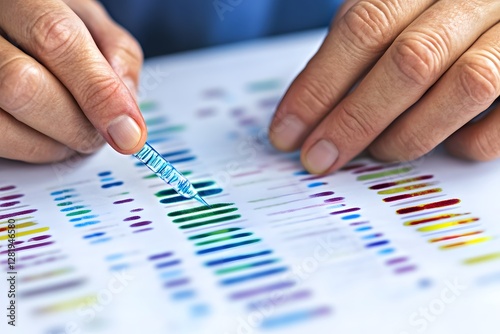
(167, 172)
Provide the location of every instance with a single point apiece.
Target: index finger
(52, 33)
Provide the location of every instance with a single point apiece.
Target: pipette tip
(201, 200)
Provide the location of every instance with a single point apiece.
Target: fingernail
(131, 86)
(321, 156)
(125, 132)
(288, 132)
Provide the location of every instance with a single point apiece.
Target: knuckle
(54, 33)
(369, 25)
(418, 58)
(480, 79)
(20, 81)
(354, 123)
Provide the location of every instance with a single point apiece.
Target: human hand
(397, 77)
(68, 77)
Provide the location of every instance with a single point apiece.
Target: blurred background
(167, 26)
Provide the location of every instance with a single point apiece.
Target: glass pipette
(167, 172)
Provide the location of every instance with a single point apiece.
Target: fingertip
(127, 134)
(321, 157)
(118, 118)
(459, 148)
(381, 153)
(287, 132)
